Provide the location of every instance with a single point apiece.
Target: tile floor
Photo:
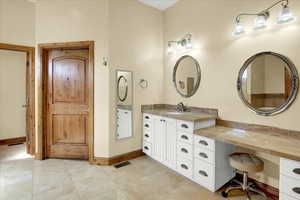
(22, 178)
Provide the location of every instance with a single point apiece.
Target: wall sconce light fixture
(184, 43)
(262, 17)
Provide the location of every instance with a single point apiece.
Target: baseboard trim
(117, 159)
(271, 192)
(13, 141)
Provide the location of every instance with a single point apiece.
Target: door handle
(147, 136)
(184, 137)
(146, 148)
(203, 173)
(184, 166)
(184, 126)
(203, 142)
(184, 150)
(296, 190)
(203, 155)
(297, 171)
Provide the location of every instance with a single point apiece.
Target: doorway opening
(17, 97)
(66, 120)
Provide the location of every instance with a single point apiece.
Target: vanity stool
(245, 163)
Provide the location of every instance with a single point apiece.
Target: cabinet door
(159, 144)
(171, 138)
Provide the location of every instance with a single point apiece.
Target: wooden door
(171, 138)
(67, 104)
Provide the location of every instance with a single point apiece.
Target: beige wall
(221, 55)
(81, 20)
(17, 21)
(13, 94)
(135, 44)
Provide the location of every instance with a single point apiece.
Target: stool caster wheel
(224, 194)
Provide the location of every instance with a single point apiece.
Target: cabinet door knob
(184, 150)
(203, 173)
(297, 171)
(147, 117)
(146, 148)
(184, 126)
(147, 136)
(184, 166)
(147, 125)
(203, 142)
(296, 190)
(203, 155)
(184, 137)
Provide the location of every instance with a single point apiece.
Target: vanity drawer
(204, 174)
(148, 136)
(185, 150)
(147, 117)
(204, 155)
(290, 168)
(185, 126)
(147, 148)
(285, 197)
(204, 142)
(185, 167)
(185, 137)
(290, 186)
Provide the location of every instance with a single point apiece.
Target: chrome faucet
(181, 107)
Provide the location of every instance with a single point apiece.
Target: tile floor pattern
(22, 178)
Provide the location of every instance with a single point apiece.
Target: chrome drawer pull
(296, 190)
(203, 173)
(184, 166)
(203, 142)
(184, 150)
(297, 171)
(146, 135)
(203, 155)
(147, 125)
(146, 148)
(147, 117)
(184, 126)
(184, 137)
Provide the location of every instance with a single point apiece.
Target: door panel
(171, 138)
(68, 107)
(159, 150)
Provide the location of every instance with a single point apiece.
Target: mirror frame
(295, 84)
(198, 76)
(126, 91)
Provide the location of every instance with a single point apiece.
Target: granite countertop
(265, 141)
(185, 116)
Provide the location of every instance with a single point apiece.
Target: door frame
(42, 78)
(30, 91)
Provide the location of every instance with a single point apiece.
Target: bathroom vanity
(168, 137)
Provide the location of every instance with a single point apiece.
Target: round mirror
(268, 83)
(122, 88)
(187, 76)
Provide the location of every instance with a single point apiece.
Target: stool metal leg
(258, 192)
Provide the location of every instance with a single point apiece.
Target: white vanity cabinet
(173, 143)
(289, 179)
(124, 123)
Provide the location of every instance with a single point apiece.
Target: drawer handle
(147, 117)
(203, 142)
(147, 125)
(147, 136)
(184, 150)
(296, 190)
(184, 137)
(184, 166)
(184, 126)
(203, 173)
(126, 112)
(203, 155)
(146, 148)
(297, 171)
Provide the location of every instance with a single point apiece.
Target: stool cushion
(246, 162)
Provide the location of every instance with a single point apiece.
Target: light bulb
(285, 15)
(260, 22)
(239, 29)
(169, 49)
(189, 44)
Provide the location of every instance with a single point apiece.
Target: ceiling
(159, 4)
